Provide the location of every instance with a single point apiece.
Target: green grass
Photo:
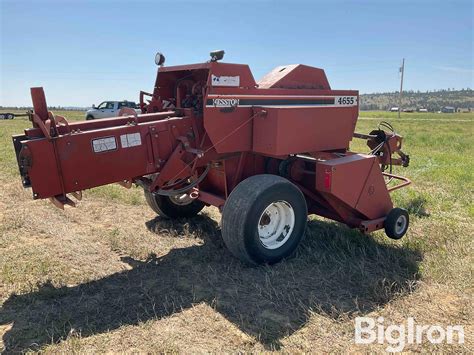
(441, 159)
(440, 199)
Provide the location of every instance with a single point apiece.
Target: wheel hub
(401, 224)
(276, 224)
(181, 200)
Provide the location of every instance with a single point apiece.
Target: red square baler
(266, 154)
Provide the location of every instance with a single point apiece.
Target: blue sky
(84, 52)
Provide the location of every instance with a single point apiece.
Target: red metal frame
(291, 124)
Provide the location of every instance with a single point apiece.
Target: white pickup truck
(110, 109)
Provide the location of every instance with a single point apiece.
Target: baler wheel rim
(181, 200)
(276, 223)
(400, 224)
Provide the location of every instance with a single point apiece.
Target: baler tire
(396, 223)
(164, 206)
(247, 206)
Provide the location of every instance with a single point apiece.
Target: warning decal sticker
(104, 144)
(130, 140)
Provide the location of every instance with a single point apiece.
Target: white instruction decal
(225, 80)
(130, 140)
(104, 144)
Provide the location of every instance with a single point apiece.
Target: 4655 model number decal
(345, 100)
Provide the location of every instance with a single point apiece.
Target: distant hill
(431, 100)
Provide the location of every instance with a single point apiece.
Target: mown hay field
(110, 275)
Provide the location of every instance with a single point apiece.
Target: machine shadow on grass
(336, 273)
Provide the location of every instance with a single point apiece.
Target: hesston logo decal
(225, 102)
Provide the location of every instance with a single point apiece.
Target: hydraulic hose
(164, 192)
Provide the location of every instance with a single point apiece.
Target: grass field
(111, 276)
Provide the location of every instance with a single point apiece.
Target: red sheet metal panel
(43, 172)
(344, 177)
(295, 76)
(102, 157)
(229, 129)
(240, 73)
(290, 130)
(357, 181)
(374, 201)
(98, 157)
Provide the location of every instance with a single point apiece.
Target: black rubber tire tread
(89, 117)
(165, 208)
(391, 220)
(243, 209)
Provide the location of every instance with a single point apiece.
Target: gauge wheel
(396, 223)
(264, 219)
(173, 206)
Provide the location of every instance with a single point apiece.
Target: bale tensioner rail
(266, 154)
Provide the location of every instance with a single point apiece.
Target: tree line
(431, 100)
